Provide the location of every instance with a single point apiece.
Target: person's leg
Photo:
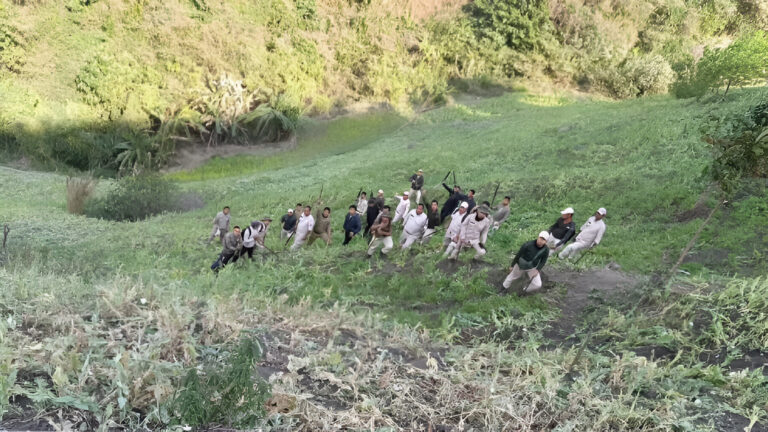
(297, 243)
(222, 233)
(412, 195)
(535, 283)
(496, 226)
(456, 249)
(284, 234)
(450, 249)
(552, 244)
(398, 218)
(374, 244)
(480, 251)
(409, 240)
(249, 251)
(572, 249)
(427, 236)
(347, 237)
(312, 238)
(514, 274)
(418, 197)
(213, 234)
(225, 258)
(387, 245)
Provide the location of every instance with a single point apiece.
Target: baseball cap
(569, 210)
(290, 210)
(381, 191)
(421, 170)
(464, 204)
(601, 211)
(406, 193)
(544, 235)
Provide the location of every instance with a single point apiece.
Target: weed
(78, 192)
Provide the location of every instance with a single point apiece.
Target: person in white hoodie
(303, 228)
(413, 227)
(454, 228)
(590, 236)
(254, 236)
(403, 205)
(473, 233)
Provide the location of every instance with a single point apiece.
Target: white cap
(420, 170)
(406, 193)
(464, 204)
(381, 191)
(569, 210)
(601, 211)
(290, 210)
(544, 235)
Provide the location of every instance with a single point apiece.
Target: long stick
(373, 237)
(6, 230)
(289, 237)
(494, 193)
(454, 178)
(588, 251)
(693, 241)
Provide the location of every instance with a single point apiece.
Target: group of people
(468, 227)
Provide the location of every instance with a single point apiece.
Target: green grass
(68, 281)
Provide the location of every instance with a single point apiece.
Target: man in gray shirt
(502, 213)
(220, 225)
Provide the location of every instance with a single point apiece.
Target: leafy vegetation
(135, 198)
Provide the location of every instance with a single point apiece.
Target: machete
(494, 194)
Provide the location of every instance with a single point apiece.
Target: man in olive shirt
(220, 225)
(230, 252)
(502, 213)
(322, 228)
(530, 259)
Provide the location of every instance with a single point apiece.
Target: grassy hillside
(104, 319)
(82, 80)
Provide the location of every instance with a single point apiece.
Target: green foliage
(225, 390)
(637, 76)
(12, 52)
(742, 62)
(522, 25)
(135, 198)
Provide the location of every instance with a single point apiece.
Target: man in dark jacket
(453, 201)
(417, 182)
(530, 259)
(561, 231)
(433, 221)
(289, 224)
(375, 204)
(471, 200)
(352, 224)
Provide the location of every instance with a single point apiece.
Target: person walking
(561, 231)
(303, 228)
(413, 226)
(289, 224)
(362, 204)
(382, 235)
(255, 235)
(220, 225)
(322, 228)
(455, 198)
(502, 213)
(590, 236)
(230, 252)
(403, 205)
(454, 227)
(417, 183)
(352, 225)
(473, 233)
(375, 204)
(471, 200)
(433, 221)
(530, 259)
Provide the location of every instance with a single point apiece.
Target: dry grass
(79, 189)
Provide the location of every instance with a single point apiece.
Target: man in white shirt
(303, 228)
(254, 236)
(590, 236)
(413, 226)
(362, 204)
(454, 228)
(403, 205)
(473, 233)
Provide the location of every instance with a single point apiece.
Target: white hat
(420, 170)
(569, 210)
(381, 191)
(406, 193)
(290, 210)
(544, 235)
(601, 211)
(464, 204)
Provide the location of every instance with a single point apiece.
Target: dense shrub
(12, 53)
(78, 192)
(135, 198)
(637, 76)
(522, 25)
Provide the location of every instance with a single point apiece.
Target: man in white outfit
(454, 228)
(403, 205)
(303, 228)
(473, 233)
(590, 236)
(413, 227)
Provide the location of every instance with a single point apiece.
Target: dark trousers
(348, 236)
(224, 259)
(248, 250)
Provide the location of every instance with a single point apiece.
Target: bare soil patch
(192, 155)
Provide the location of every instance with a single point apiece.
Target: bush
(637, 76)
(522, 25)
(78, 192)
(135, 198)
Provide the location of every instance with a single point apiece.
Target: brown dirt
(192, 155)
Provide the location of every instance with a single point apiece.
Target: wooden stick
(693, 241)
(6, 230)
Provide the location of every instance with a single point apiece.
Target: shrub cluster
(135, 198)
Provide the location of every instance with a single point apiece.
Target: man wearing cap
(303, 228)
(433, 221)
(453, 201)
(220, 225)
(352, 225)
(502, 213)
(413, 226)
(417, 182)
(362, 204)
(473, 233)
(590, 236)
(289, 224)
(403, 205)
(454, 228)
(561, 231)
(254, 236)
(530, 259)
(322, 228)
(382, 235)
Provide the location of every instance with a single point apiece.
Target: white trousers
(572, 249)
(454, 249)
(406, 240)
(284, 234)
(552, 244)
(533, 275)
(298, 242)
(398, 217)
(416, 194)
(386, 241)
(427, 235)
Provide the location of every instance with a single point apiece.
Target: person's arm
(358, 224)
(518, 255)
(599, 236)
(450, 191)
(542, 256)
(420, 182)
(484, 234)
(554, 225)
(568, 234)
